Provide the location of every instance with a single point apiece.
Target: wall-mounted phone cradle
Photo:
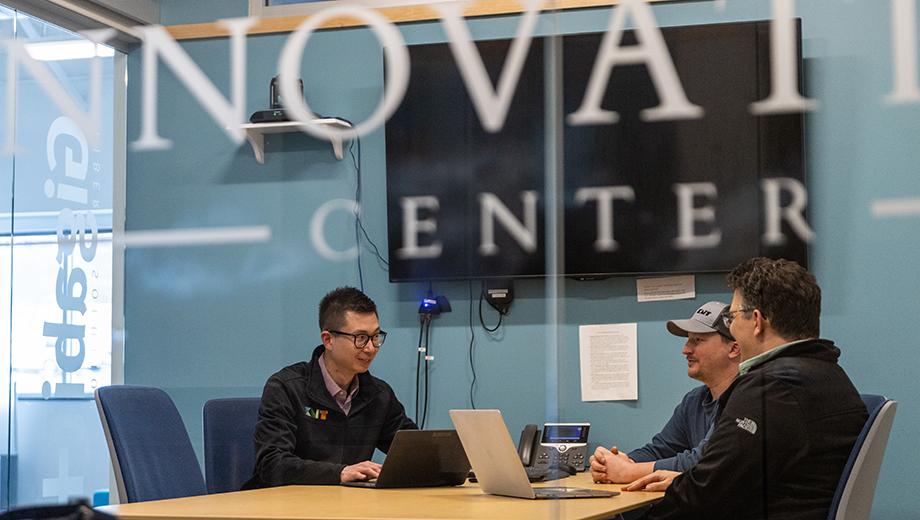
(557, 444)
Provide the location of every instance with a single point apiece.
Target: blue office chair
(856, 489)
(229, 449)
(150, 449)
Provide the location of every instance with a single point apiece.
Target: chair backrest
(229, 448)
(151, 452)
(856, 489)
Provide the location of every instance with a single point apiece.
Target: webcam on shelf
(276, 113)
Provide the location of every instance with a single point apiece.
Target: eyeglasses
(361, 340)
(729, 316)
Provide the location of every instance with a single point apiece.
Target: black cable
(384, 264)
(359, 224)
(357, 164)
(427, 363)
(483, 322)
(356, 161)
(418, 369)
(424, 411)
(472, 338)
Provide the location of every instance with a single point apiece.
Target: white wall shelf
(255, 134)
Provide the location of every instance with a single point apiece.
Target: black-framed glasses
(729, 316)
(362, 339)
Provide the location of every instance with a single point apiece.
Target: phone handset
(527, 446)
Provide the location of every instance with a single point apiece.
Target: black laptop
(421, 458)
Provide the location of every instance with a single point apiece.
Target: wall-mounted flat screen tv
(463, 203)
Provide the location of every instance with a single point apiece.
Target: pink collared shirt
(342, 397)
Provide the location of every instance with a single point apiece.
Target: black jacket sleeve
(394, 421)
(276, 437)
(743, 455)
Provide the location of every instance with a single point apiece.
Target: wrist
(641, 469)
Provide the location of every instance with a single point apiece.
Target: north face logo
(747, 425)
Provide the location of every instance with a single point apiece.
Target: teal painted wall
(206, 322)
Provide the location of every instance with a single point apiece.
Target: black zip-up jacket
(303, 437)
(780, 442)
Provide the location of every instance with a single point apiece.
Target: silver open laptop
(492, 454)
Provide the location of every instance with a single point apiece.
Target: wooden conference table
(339, 502)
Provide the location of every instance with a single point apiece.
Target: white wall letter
(784, 92)
(687, 215)
(491, 207)
(318, 222)
(492, 108)
(904, 52)
(159, 42)
(650, 50)
(774, 213)
(397, 71)
(605, 196)
(412, 226)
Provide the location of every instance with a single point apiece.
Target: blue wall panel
(214, 321)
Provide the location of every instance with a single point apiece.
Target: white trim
(52, 214)
(901, 207)
(119, 177)
(195, 236)
(47, 238)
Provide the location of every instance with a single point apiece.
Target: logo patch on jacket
(747, 425)
(316, 414)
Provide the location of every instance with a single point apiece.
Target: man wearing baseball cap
(712, 358)
(787, 423)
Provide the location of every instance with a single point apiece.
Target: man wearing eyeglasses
(320, 420)
(788, 422)
(712, 358)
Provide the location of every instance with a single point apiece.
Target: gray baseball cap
(707, 318)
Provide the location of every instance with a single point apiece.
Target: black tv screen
(465, 203)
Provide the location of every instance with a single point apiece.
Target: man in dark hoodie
(788, 422)
(320, 420)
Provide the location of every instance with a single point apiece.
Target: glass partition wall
(228, 253)
(56, 216)
(7, 455)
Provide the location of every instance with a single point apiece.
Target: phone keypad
(574, 457)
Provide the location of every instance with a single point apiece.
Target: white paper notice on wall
(666, 288)
(608, 362)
